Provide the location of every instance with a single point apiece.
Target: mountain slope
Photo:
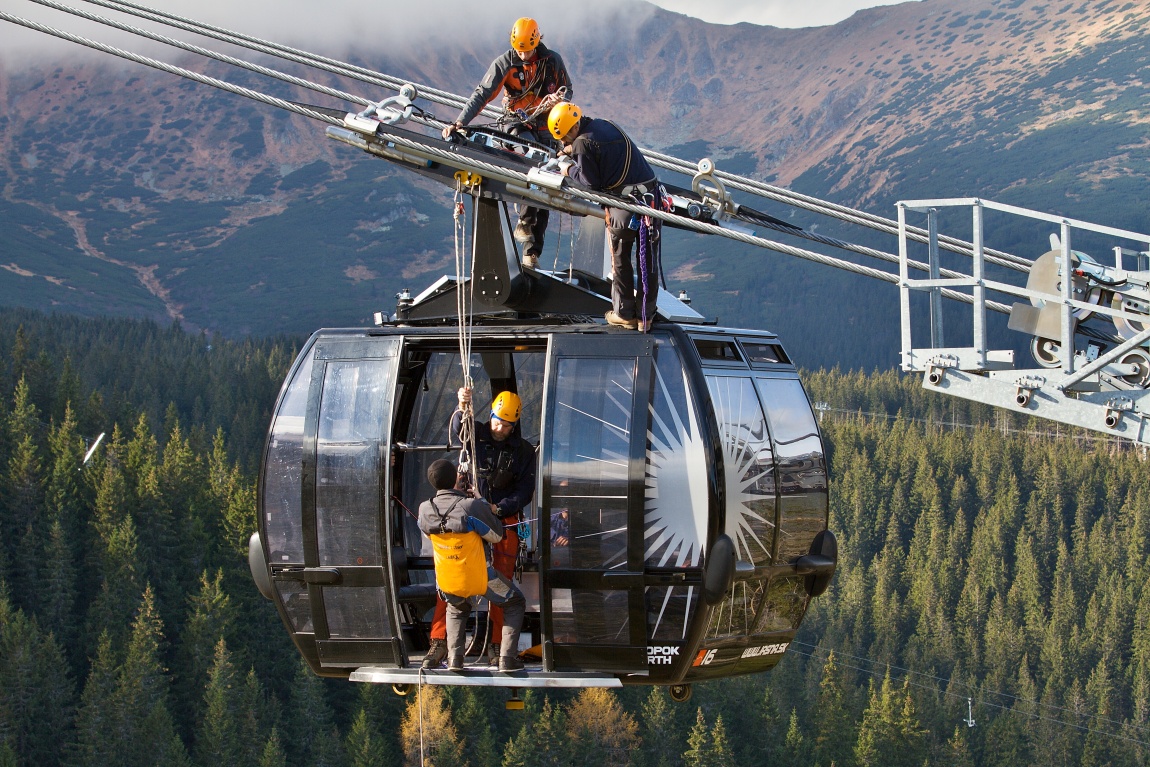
(127, 191)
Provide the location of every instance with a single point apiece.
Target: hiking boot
(510, 663)
(456, 663)
(614, 319)
(644, 327)
(523, 233)
(493, 654)
(435, 654)
(530, 261)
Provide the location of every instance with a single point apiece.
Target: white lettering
(770, 649)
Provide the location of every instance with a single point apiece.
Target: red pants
(503, 556)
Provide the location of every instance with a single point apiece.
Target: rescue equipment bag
(460, 564)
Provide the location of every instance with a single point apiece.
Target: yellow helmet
(525, 35)
(506, 407)
(562, 116)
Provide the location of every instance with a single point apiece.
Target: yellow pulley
(467, 178)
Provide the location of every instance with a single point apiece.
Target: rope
(464, 308)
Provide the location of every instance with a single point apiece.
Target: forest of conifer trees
(983, 559)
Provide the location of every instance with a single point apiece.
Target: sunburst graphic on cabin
(747, 467)
(675, 509)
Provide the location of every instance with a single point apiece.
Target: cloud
(775, 13)
(335, 28)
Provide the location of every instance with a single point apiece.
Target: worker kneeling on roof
(458, 527)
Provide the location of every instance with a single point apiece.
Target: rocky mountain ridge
(148, 195)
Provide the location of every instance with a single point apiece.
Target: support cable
(751, 186)
(495, 170)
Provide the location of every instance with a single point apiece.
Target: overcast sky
(775, 13)
(335, 26)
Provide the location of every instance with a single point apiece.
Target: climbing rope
(464, 308)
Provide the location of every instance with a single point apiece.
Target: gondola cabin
(685, 465)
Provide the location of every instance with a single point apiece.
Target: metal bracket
(1025, 386)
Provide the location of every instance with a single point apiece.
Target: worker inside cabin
(505, 478)
(599, 155)
(458, 527)
(533, 79)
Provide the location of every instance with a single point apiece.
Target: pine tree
(796, 750)
(37, 700)
(698, 753)
(364, 746)
(148, 734)
(96, 721)
(721, 754)
(217, 737)
(657, 732)
(542, 742)
(211, 616)
(835, 732)
(601, 732)
(428, 732)
(116, 563)
(273, 754)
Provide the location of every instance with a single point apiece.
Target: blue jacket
(606, 160)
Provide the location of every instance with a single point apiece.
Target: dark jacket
(527, 83)
(450, 511)
(606, 160)
(505, 469)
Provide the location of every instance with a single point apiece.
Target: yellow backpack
(460, 564)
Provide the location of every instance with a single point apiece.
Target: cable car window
(749, 467)
(802, 467)
(353, 410)
(761, 353)
(354, 612)
(785, 605)
(734, 616)
(590, 458)
(589, 616)
(718, 349)
(677, 496)
(296, 604)
(283, 471)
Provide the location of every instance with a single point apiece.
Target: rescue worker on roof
(600, 156)
(533, 80)
(457, 526)
(505, 470)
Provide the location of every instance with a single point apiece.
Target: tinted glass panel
(353, 414)
(668, 611)
(356, 613)
(592, 428)
(589, 616)
(765, 354)
(283, 516)
(802, 468)
(295, 599)
(718, 349)
(749, 472)
(785, 603)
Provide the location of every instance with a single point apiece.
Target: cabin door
(348, 418)
(592, 468)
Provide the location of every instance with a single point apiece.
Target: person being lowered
(533, 79)
(458, 527)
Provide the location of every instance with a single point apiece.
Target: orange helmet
(506, 407)
(525, 35)
(562, 116)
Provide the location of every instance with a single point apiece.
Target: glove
(564, 161)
